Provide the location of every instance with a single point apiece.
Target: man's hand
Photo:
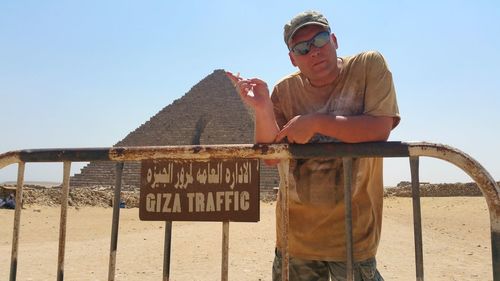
(254, 92)
(300, 129)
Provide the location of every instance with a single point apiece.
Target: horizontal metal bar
(368, 149)
(261, 151)
(201, 152)
(71, 154)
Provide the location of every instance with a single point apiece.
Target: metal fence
(285, 152)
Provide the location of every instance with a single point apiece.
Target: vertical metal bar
(116, 219)
(347, 164)
(495, 251)
(284, 172)
(417, 218)
(166, 250)
(17, 221)
(63, 221)
(225, 251)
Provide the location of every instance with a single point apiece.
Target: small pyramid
(210, 113)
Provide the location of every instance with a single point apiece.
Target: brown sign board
(210, 190)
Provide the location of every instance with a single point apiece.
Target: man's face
(319, 63)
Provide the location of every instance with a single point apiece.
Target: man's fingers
(257, 81)
(253, 81)
(281, 135)
(243, 86)
(233, 78)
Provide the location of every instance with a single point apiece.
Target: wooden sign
(188, 190)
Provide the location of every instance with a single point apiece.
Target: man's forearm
(266, 127)
(353, 129)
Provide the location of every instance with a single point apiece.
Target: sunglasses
(319, 40)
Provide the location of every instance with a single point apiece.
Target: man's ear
(292, 59)
(334, 40)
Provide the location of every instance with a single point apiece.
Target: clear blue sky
(86, 73)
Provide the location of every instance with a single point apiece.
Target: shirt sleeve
(380, 95)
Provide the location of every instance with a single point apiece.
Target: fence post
(167, 244)
(347, 164)
(225, 251)
(17, 221)
(417, 217)
(116, 221)
(63, 221)
(284, 167)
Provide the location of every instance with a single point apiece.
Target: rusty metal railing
(485, 182)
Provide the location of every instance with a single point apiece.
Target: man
(347, 99)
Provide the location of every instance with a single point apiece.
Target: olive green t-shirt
(316, 209)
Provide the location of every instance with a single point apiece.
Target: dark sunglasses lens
(318, 41)
(301, 48)
(321, 39)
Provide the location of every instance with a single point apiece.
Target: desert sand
(456, 234)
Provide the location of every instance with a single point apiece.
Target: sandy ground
(456, 244)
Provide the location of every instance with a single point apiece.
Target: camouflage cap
(301, 20)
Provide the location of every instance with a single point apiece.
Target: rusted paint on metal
(260, 151)
(246, 151)
(196, 149)
(262, 147)
(118, 150)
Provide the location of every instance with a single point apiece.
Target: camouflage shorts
(311, 270)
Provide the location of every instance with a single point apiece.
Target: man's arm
(255, 93)
(266, 127)
(350, 129)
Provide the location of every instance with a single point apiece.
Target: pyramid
(210, 113)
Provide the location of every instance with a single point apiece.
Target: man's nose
(314, 51)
